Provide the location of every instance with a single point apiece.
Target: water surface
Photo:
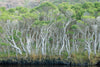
(42, 66)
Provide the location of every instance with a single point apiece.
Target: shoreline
(43, 62)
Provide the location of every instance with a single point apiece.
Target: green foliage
(32, 10)
(80, 21)
(76, 6)
(15, 36)
(12, 10)
(18, 18)
(86, 17)
(4, 17)
(79, 58)
(45, 7)
(2, 8)
(30, 16)
(74, 26)
(22, 9)
(50, 39)
(64, 6)
(81, 40)
(97, 4)
(4, 44)
(91, 11)
(65, 55)
(1, 30)
(69, 32)
(40, 23)
(78, 15)
(78, 10)
(19, 8)
(98, 9)
(88, 5)
(98, 14)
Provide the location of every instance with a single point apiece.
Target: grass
(77, 58)
(11, 54)
(41, 57)
(94, 59)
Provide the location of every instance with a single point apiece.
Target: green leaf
(74, 26)
(4, 44)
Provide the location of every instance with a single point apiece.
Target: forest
(66, 31)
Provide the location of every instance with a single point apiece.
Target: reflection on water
(42, 66)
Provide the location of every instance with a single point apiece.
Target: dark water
(43, 66)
